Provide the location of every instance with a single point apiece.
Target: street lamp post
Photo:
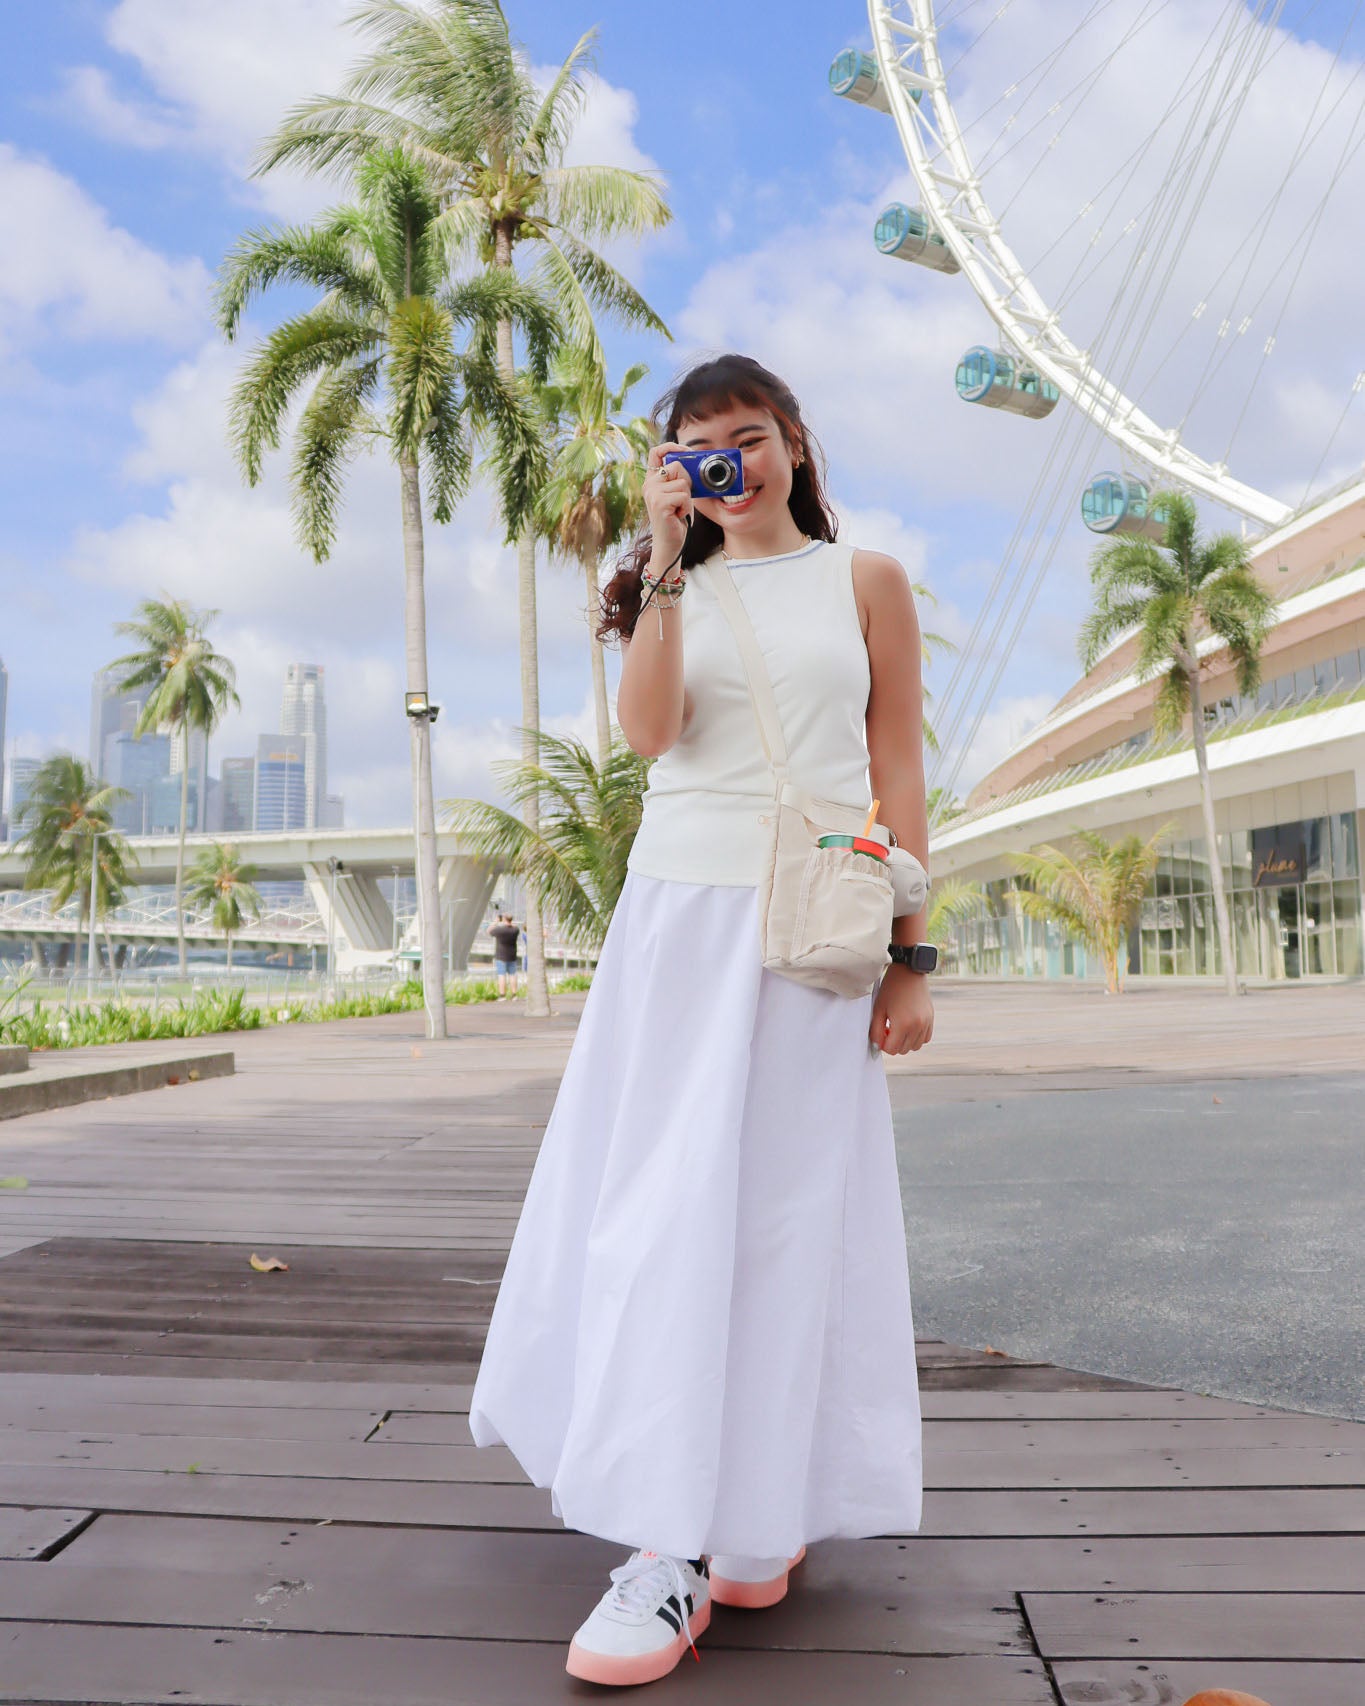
(94, 891)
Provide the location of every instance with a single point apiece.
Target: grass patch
(211, 1012)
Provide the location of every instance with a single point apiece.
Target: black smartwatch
(923, 956)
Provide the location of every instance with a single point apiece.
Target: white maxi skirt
(703, 1341)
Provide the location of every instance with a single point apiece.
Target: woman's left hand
(902, 1011)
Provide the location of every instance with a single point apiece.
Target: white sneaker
(750, 1582)
(645, 1621)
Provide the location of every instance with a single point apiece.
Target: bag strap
(755, 669)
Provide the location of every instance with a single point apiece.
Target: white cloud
(870, 344)
(66, 269)
(224, 78)
(204, 536)
(89, 95)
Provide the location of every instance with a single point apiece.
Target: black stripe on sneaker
(674, 1623)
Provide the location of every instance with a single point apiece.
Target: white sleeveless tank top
(709, 795)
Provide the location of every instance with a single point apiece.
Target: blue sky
(124, 137)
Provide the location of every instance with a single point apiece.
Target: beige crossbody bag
(824, 912)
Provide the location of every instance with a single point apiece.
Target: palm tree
(594, 497)
(68, 813)
(1174, 594)
(191, 685)
(221, 880)
(949, 903)
(1093, 896)
(574, 863)
(446, 80)
(383, 335)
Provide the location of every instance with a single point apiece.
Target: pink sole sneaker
(622, 1671)
(753, 1596)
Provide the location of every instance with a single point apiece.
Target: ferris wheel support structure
(910, 72)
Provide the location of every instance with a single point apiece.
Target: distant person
(702, 1342)
(504, 933)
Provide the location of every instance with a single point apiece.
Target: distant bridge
(364, 923)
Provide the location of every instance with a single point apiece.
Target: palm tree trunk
(599, 671)
(180, 851)
(228, 934)
(1220, 899)
(537, 986)
(424, 805)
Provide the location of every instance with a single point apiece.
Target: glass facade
(1294, 902)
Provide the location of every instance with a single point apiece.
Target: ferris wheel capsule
(1121, 503)
(999, 380)
(855, 76)
(905, 233)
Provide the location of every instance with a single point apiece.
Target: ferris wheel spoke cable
(972, 661)
(975, 42)
(1039, 68)
(953, 711)
(1258, 224)
(1327, 448)
(1084, 85)
(1348, 150)
(1022, 593)
(1192, 84)
(1222, 345)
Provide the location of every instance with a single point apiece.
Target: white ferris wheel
(1033, 363)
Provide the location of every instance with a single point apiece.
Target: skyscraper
(280, 795)
(21, 774)
(304, 713)
(237, 799)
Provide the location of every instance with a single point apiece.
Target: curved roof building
(1288, 772)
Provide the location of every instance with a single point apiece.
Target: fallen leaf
(991, 1351)
(15, 1184)
(271, 1264)
(416, 1054)
(1217, 1101)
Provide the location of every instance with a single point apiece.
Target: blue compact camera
(714, 473)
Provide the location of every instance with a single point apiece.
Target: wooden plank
(422, 1503)
(20, 1389)
(221, 1421)
(1225, 1563)
(321, 1459)
(884, 1617)
(383, 1392)
(1203, 1510)
(953, 1467)
(1297, 1510)
(1131, 1682)
(267, 1371)
(110, 1666)
(31, 1533)
(1078, 1437)
(1199, 1625)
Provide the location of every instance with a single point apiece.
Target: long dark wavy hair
(699, 393)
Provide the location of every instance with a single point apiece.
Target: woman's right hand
(668, 499)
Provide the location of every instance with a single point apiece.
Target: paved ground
(1167, 1186)
(1208, 1236)
(231, 1488)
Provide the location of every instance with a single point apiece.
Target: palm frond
(328, 436)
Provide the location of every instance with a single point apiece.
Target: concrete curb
(51, 1086)
(13, 1058)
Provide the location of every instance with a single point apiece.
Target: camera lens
(717, 472)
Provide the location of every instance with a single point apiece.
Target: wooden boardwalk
(224, 1486)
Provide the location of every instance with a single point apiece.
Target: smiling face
(769, 461)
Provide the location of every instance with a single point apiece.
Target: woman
(703, 1343)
